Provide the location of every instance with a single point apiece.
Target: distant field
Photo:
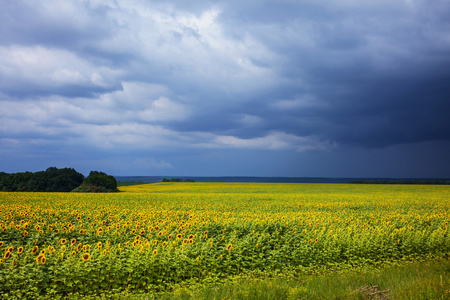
(128, 183)
(154, 237)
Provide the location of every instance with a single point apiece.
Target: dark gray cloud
(258, 78)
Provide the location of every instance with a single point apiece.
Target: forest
(57, 180)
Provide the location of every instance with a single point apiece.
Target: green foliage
(98, 182)
(50, 180)
(427, 279)
(288, 235)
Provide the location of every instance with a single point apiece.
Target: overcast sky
(328, 88)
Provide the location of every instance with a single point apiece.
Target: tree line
(409, 181)
(57, 180)
(177, 180)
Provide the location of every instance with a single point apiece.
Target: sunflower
(229, 247)
(99, 246)
(63, 248)
(40, 259)
(104, 252)
(169, 237)
(179, 236)
(74, 253)
(81, 231)
(160, 233)
(206, 232)
(155, 252)
(190, 241)
(73, 241)
(190, 237)
(25, 233)
(185, 241)
(20, 249)
(86, 256)
(7, 255)
(1, 243)
(63, 241)
(35, 250)
(85, 247)
(10, 249)
(43, 251)
(1, 261)
(155, 242)
(79, 246)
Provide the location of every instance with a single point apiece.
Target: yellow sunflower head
(86, 256)
(40, 259)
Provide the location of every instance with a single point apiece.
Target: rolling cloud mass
(220, 88)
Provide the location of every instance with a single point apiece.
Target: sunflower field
(152, 237)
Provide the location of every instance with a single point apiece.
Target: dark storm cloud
(379, 75)
(136, 76)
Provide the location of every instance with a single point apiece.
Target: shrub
(98, 182)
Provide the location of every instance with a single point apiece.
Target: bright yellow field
(150, 237)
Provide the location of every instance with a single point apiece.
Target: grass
(428, 279)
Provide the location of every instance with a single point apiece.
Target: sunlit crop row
(150, 237)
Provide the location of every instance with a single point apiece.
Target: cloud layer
(95, 82)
